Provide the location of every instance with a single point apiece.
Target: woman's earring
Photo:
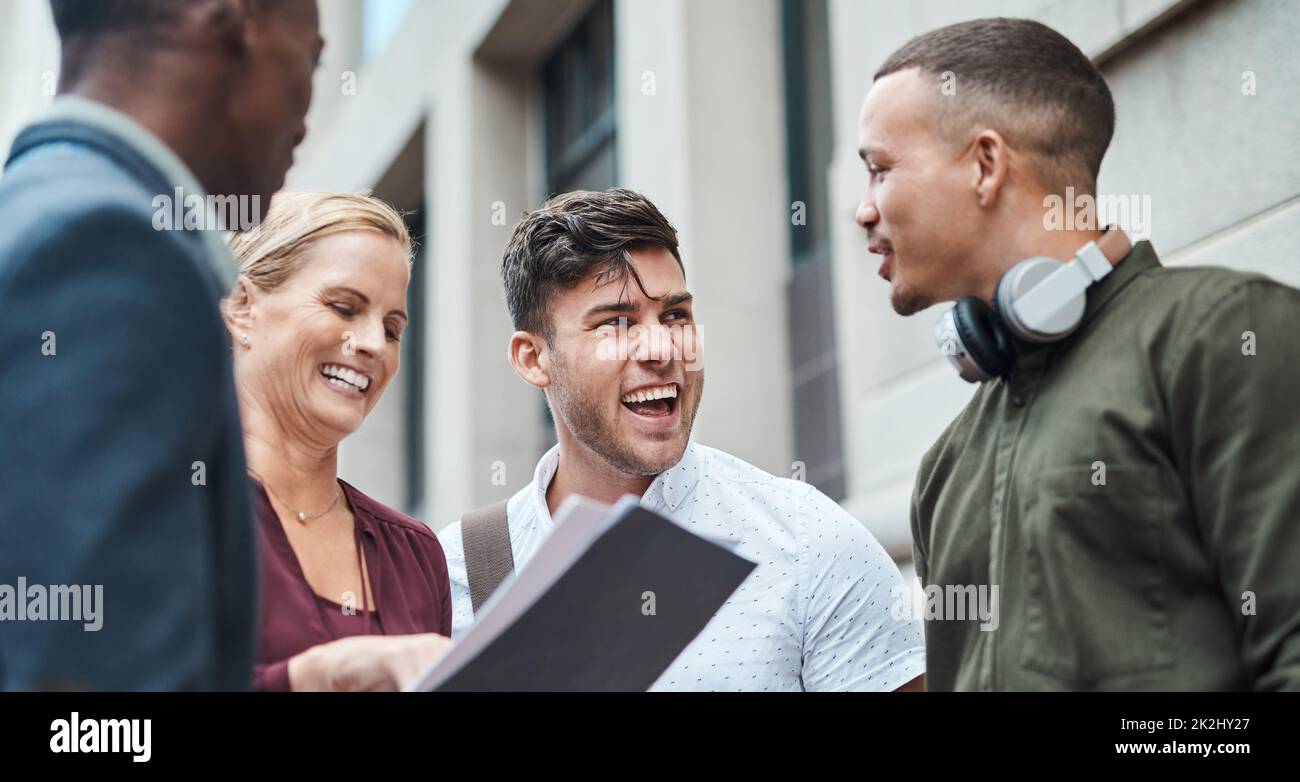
(244, 340)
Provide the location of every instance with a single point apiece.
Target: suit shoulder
(63, 185)
(79, 198)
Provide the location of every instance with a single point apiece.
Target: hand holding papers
(607, 603)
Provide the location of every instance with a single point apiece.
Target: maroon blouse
(408, 579)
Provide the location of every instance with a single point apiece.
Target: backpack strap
(485, 534)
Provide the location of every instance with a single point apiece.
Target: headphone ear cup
(983, 336)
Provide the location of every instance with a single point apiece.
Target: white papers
(578, 523)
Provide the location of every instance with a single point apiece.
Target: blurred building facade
(29, 65)
(739, 119)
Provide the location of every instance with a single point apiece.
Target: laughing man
(589, 273)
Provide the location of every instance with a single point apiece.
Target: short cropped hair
(571, 236)
(91, 18)
(1026, 81)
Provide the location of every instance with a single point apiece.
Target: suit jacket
(122, 465)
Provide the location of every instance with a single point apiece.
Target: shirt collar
(674, 484)
(77, 109)
(666, 491)
(1139, 259)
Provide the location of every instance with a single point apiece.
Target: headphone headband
(1036, 314)
(1039, 300)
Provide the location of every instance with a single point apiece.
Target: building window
(580, 112)
(578, 85)
(809, 138)
(814, 368)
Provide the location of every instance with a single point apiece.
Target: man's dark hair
(570, 237)
(85, 26)
(133, 27)
(92, 18)
(1028, 82)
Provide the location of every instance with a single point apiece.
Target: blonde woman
(354, 595)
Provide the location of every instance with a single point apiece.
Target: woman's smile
(345, 380)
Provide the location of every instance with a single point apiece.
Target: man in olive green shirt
(1129, 493)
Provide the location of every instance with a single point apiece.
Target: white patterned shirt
(815, 614)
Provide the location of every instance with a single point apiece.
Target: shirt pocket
(1098, 586)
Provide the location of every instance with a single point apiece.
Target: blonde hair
(272, 251)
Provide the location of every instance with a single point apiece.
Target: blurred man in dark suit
(123, 467)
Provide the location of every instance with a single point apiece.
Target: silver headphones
(1039, 300)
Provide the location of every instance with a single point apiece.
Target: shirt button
(1018, 400)
(997, 505)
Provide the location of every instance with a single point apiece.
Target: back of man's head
(96, 17)
(89, 28)
(225, 83)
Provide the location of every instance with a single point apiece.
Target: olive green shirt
(1133, 492)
